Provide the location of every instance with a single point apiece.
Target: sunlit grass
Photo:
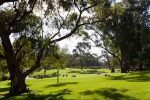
(89, 84)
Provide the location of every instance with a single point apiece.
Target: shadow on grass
(61, 84)
(75, 71)
(4, 89)
(59, 95)
(110, 93)
(133, 77)
(44, 76)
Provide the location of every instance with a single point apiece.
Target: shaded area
(90, 71)
(133, 77)
(59, 95)
(93, 71)
(6, 89)
(62, 84)
(110, 93)
(75, 71)
(44, 76)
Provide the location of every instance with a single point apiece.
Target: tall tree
(17, 17)
(125, 26)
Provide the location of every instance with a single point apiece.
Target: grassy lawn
(90, 84)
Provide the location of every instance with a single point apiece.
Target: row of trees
(124, 33)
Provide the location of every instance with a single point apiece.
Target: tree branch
(72, 31)
(77, 22)
(111, 53)
(61, 25)
(18, 18)
(18, 50)
(6, 1)
(37, 63)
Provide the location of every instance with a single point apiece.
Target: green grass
(90, 84)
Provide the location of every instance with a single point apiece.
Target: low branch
(77, 22)
(115, 56)
(37, 63)
(72, 32)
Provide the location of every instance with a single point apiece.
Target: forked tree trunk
(18, 84)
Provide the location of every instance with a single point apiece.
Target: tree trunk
(57, 75)
(112, 70)
(18, 84)
(124, 61)
(124, 68)
(140, 66)
(108, 62)
(44, 72)
(81, 64)
(140, 50)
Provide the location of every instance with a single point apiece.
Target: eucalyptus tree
(104, 43)
(59, 60)
(127, 23)
(82, 51)
(54, 57)
(59, 19)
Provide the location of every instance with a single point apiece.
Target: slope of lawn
(90, 84)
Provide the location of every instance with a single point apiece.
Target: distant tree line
(83, 61)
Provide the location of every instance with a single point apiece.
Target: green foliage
(73, 17)
(55, 57)
(25, 57)
(24, 25)
(29, 24)
(5, 17)
(66, 4)
(125, 25)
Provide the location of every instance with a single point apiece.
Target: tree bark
(18, 84)
(125, 67)
(140, 66)
(44, 72)
(57, 75)
(108, 62)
